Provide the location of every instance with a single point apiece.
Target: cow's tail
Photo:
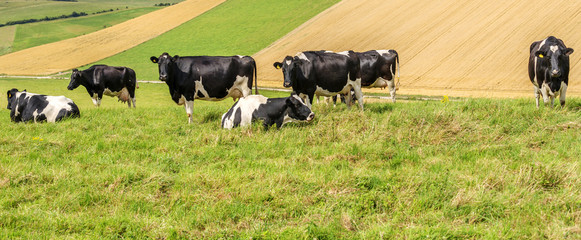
(397, 69)
(255, 78)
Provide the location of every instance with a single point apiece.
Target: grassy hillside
(35, 34)
(236, 27)
(474, 168)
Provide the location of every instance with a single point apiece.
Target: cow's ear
(540, 54)
(9, 94)
(154, 59)
(75, 70)
(277, 65)
(175, 58)
(568, 51)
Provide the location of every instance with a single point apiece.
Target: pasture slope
(475, 48)
(86, 49)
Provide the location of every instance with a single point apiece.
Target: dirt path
(86, 49)
(475, 48)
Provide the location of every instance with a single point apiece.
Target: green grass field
(469, 168)
(35, 34)
(236, 27)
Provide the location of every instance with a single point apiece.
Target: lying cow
(25, 106)
(323, 73)
(549, 69)
(117, 82)
(210, 78)
(271, 111)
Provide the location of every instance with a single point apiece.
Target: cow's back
(331, 71)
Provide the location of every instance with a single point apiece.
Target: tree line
(47, 18)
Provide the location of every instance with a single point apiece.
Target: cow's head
(556, 55)
(164, 63)
(76, 78)
(11, 95)
(289, 66)
(298, 110)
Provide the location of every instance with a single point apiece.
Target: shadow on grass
(379, 108)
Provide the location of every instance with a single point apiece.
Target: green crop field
(468, 168)
(236, 27)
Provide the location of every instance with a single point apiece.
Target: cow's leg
(310, 99)
(305, 98)
(359, 95)
(537, 95)
(552, 101)
(349, 99)
(189, 105)
(95, 100)
(133, 101)
(563, 92)
(545, 93)
(391, 86)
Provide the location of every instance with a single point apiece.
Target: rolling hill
(474, 48)
(86, 49)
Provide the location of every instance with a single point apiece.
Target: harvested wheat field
(476, 48)
(86, 49)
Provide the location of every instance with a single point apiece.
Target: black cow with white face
(549, 69)
(323, 73)
(212, 78)
(111, 81)
(378, 69)
(25, 107)
(271, 111)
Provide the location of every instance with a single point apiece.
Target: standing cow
(102, 79)
(271, 111)
(378, 69)
(549, 69)
(206, 77)
(323, 73)
(25, 106)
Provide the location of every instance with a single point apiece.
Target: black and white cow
(323, 73)
(271, 111)
(102, 79)
(210, 78)
(25, 106)
(549, 69)
(378, 69)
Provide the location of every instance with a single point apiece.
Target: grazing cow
(271, 111)
(323, 73)
(549, 69)
(378, 69)
(117, 82)
(25, 106)
(206, 77)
